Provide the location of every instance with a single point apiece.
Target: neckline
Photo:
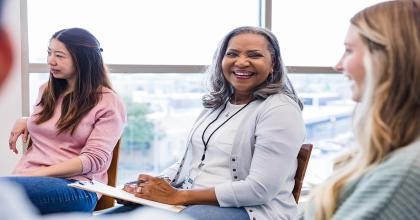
(230, 105)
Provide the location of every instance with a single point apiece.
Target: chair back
(303, 160)
(105, 201)
(28, 144)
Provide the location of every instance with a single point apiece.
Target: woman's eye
(230, 54)
(348, 51)
(254, 55)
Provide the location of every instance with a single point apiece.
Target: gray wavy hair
(220, 89)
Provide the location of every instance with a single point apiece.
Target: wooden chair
(105, 201)
(303, 159)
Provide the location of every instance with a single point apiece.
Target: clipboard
(98, 187)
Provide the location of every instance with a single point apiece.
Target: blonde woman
(382, 59)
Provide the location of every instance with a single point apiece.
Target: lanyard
(205, 143)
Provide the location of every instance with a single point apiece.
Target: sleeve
(170, 172)
(279, 134)
(109, 124)
(390, 192)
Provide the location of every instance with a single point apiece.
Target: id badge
(188, 183)
(194, 173)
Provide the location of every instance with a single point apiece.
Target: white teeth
(241, 73)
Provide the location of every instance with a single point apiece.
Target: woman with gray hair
(240, 160)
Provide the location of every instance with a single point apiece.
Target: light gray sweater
(263, 160)
(390, 191)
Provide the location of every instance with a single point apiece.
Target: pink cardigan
(93, 140)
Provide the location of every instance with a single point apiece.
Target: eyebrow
(56, 51)
(246, 50)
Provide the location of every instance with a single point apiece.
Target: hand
(20, 128)
(157, 189)
(130, 188)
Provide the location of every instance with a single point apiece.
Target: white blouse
(216, 164)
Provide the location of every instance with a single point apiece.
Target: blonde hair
(388, 116)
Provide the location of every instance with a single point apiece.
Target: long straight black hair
(91, 77)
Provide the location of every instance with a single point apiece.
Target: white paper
(95, 186)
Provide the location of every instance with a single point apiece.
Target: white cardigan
(263, 160)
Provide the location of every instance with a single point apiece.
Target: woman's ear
(6, 55)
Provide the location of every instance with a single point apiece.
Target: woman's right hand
(20, 128)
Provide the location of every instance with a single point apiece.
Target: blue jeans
(197, 212)
(52, 195)
(210, 212)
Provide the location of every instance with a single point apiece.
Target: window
(311, 33)
(144, 35)
(142, 32)
(157, 52)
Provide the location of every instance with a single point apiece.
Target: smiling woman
(246, 65)
(380, 179)
(351, 64)
(251, 125)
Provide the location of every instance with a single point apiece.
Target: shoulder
(110, 97)
(396, 169)
(42, 88)
(111, 101)
(402, 161)
(277, 100)
(387, 191)
(278, 104)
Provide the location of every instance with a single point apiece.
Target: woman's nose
(242, 61)
(339, 66)
(50, 60)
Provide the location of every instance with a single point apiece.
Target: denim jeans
(197, 212)
(209, 212)
(52, 195)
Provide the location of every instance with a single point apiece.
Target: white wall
(10, 94)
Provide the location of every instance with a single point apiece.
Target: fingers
(145, 178)
(139, 190)
(143, 192)
(18, 129)
(130, 188)
(12, 141)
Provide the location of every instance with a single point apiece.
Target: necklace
(230, 108)
(205, 143)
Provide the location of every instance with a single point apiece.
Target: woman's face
(247, 62)
(351, 63)
(60, 61)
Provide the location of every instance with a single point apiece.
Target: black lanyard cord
(202, 136)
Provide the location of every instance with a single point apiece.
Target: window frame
(265, 20)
